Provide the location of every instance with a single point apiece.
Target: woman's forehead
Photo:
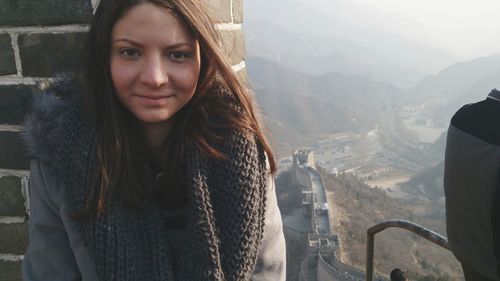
(148, 21)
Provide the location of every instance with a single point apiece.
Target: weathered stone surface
(220, 9)
(238, 11)
(12, 152)
(233, 43)
(11, 197)
(13, 238)
(43, 55)
(46, 12)
(243, 75)
(10, 270)
(15, 101)
(7, 60)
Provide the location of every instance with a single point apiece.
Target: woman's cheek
(122, 75)
(187, 77)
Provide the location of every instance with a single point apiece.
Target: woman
(153, 166)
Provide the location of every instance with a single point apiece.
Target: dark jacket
(472, 185)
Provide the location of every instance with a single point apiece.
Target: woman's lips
(154, 100)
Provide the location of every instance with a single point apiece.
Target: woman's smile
(154, 99)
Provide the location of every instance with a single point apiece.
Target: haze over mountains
(316, 70)
(371, 44)
(301, 105)
(316, 55)
(306, 105)
(458, 84)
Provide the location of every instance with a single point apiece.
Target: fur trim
(43, 126)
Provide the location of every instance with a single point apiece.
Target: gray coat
(56, 250)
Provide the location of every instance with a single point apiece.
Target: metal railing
(421, 231)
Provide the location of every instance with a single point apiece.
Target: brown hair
(119, 159)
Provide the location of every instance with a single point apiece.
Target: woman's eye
(179, 55)
(130, 53)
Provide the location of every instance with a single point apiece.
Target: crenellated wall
(37, 40)
(323, 244)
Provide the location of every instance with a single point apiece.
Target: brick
(7, 60)
(46, 12)
(12, 152)
(13, 238)
(11, 197)
(15, 102)
(220, 9)
(233, 43)
(43, 55)
(238, 11)
(10, 270)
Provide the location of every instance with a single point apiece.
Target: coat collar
(494, 94)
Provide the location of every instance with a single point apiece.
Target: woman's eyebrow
(172, 46)
(182, 44)
(130, 41)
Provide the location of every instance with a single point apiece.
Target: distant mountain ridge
(456, 78)
(390, 49)
(458, 84)
(316, 55)
(298, 106)
(312, 105)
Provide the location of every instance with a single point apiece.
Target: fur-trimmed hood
(43, 126)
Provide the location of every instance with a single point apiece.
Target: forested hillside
(356, 207)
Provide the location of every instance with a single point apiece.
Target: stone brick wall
(37, 40)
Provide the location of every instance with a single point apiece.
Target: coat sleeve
(495, 219)
(271, 259)
(49, 255)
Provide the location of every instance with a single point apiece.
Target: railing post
(370, 241)
(410, 226)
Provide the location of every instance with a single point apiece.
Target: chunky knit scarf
(225, 219)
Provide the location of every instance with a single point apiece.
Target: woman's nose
(155, 72)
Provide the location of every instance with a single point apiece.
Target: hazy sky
(468, 27)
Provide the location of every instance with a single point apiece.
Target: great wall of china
(312, 222)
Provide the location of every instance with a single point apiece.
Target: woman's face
(155, 64)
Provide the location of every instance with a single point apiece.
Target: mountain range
(372, 44)
(317, 55)
(456, 85)
(299, 106)
(317, 71)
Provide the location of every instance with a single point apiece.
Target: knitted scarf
(225, 219)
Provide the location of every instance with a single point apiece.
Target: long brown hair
(119, 159)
